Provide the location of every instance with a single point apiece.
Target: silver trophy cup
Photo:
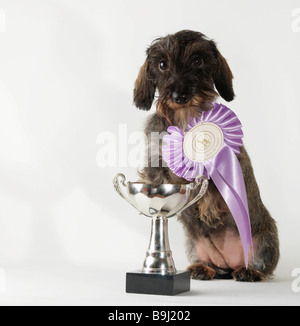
(158, 274)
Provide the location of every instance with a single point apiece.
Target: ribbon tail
(227, 175)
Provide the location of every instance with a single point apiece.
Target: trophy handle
(117, 187)
(200, 180)
(117, 182)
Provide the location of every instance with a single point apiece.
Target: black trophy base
(138, 282)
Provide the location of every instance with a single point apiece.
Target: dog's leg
(263, 228)
(198, 269)
(248, 275)
(265, 257)
(201, 271)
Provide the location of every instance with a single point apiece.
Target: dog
(188, 73)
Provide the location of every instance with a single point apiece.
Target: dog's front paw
(200, 271)
(248, 275)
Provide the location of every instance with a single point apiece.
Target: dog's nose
(180, 98)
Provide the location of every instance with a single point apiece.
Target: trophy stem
(159, 256)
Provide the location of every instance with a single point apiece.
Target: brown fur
(210, 218)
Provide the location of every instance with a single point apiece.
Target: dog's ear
(144, 90)
(222, 76)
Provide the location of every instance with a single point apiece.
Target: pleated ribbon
(223, 168)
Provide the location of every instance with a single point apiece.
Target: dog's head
(184, 68)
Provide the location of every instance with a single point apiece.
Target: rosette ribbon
(209, 147)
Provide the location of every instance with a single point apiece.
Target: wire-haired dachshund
(187, 72)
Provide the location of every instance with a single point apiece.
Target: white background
(67, 70)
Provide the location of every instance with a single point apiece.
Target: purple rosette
(209, 147)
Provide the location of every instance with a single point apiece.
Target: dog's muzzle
(180, 98)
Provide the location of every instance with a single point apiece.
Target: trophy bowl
(158, 274)
(162, 200)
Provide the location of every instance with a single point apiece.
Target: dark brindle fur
(185, 68)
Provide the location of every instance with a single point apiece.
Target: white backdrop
(67, 70)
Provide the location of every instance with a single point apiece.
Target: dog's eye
(163, 64)
(197, 62)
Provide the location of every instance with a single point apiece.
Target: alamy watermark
(296, 21)
(2, 21)
(296, 281)
(158, 149)
(125, 149)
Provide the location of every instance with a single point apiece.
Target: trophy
(158, 274)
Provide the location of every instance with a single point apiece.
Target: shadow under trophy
(159, 202)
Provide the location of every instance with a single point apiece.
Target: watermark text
(296, 21)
